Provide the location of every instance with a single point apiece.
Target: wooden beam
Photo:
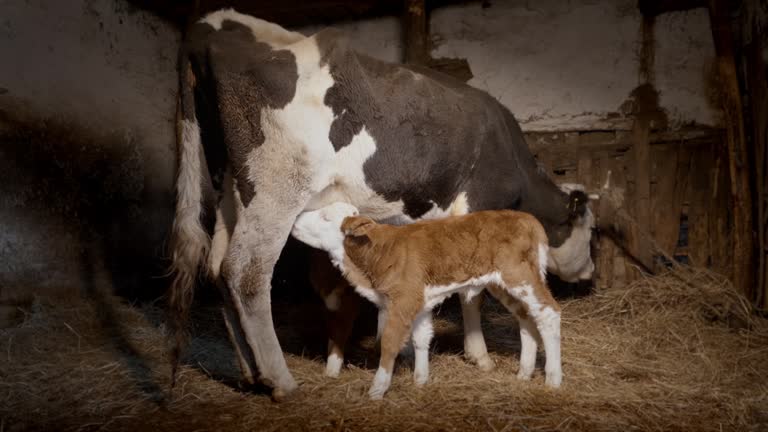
(743, 243)
(455, 67)
(651, 8)
(416, 43)
(288, 13)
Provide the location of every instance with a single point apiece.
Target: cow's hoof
(282, 395)
(285, 391)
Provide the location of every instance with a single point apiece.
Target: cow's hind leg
(259, 236)
(474, 342)
(226, 217)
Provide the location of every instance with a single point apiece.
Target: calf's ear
(357, 226)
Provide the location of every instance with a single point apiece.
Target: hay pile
(675, 352)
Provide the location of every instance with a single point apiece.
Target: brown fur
(399, 261)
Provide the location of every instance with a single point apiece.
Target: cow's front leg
(474, 342)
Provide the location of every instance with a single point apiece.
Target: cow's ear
(357, 226)
(577, 203)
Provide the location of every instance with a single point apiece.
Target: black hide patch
(236, 78)
(436, 137)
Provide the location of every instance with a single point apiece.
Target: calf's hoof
(381, 383)
(333, 366)
(420, 379)
(524, 374)
(553, 379)
(484, 363)
(376, 395)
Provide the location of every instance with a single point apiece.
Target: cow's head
(572, 260)
(321, 228)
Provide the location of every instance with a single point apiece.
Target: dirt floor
(675, 352)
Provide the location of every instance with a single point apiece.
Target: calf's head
(572, 260)
(321, 228)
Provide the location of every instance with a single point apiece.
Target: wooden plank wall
(687, 181)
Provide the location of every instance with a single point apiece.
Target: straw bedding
(680, 351)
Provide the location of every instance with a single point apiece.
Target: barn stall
(659, 104)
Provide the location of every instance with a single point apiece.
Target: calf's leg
(528, 346)
(342, 303)
(340, 324)
(422, 336)
(474, 342)
(544, 311)
(393, 337)
(529, 335)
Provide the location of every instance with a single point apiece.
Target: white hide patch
(345, 181)
(572, 260)
(381, 382)
(263, 31)
(458, 207)
(436, 294)
(306, 109)
(371, 295)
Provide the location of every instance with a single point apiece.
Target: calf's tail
(539, 251)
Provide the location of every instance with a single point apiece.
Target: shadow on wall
(71, 196)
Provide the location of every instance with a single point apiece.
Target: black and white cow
(274, 123)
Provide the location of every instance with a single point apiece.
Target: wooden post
(641, 163)
(743, 245)
(756, 76)
(415, 29)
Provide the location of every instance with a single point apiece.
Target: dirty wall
(87, 102)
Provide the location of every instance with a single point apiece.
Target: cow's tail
(190, 241)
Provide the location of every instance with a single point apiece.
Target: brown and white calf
(408, 270)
